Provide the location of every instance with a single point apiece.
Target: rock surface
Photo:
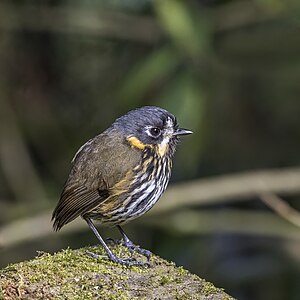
(72, 274)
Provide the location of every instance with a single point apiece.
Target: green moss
(209, 288)
(72, 274)
(164, 280)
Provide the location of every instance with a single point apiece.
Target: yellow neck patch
(135, 142)
(161, 149)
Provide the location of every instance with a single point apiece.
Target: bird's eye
(155, 131)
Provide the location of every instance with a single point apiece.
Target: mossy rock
(72, 274)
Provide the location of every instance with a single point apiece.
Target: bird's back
(98, 166)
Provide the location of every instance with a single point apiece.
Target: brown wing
(97, 167)
(74, 201)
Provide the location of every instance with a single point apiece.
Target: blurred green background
(229, 71)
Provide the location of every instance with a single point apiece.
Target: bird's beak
(182, 131)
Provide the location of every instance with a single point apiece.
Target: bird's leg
(131, 246)
(124, 261)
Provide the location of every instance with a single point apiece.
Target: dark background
(229, 71)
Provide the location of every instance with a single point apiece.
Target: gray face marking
(169, 123)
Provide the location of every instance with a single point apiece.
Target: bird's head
(151, 127)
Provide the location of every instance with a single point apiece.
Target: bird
(120, 174)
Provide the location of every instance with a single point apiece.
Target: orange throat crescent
(136, 143)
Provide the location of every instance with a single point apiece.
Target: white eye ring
(154, 132)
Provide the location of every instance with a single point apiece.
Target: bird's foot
(133, 248)
(130, 246)
(129, 261)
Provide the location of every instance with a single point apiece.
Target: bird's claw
(133, 248)
(128, 261)
(141, 251)
(130, 246)
(94, 255)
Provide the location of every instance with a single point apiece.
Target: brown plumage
(96, 174)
